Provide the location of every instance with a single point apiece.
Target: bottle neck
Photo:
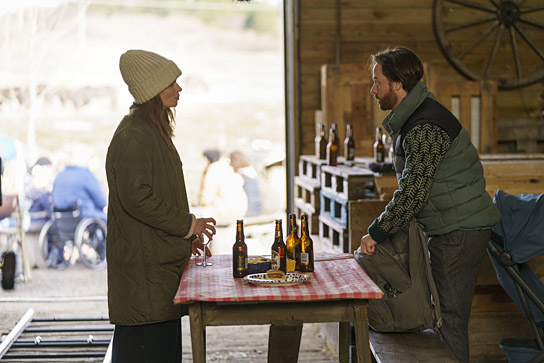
(378, 135)
(303, 227)
(278, 233)
(240, 232)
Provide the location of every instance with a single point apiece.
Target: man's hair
(400, 65)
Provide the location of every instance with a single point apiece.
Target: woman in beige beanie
(151, 233)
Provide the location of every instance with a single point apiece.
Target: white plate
(291, 278)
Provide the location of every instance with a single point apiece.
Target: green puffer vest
(148, 217)
(457, 198)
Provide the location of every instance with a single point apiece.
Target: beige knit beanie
(146, 73)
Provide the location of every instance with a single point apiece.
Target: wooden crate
(522, 135)
(313, 215)
(514, 174)
(334, 236)
(309, 166)
(385, 186)
(334, 207)
(307, 192)
(474, 103)
(346, 182)
(360, 214)
(345, 99)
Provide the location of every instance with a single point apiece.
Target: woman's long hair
(160, 117)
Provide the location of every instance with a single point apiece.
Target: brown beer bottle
(321, 142)
(239, 252)
(278, 261)
(379, 147)
(332, 147)
(306, 247)
(292, 245)
(349, 144)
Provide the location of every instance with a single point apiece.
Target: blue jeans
(455, 263)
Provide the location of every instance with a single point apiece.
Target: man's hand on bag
(368, 245)
(406, 228)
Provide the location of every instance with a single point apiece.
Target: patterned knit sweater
(425, 146)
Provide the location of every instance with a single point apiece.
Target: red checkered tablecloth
(334, 279)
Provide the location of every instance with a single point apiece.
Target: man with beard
(441, 184)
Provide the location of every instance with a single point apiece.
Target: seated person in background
(78, 183)
(240, 165)
(222, 193)
(38, 188)
(211, 155)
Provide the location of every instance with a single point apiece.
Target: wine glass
(205, 263)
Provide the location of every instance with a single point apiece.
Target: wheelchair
(67, 232)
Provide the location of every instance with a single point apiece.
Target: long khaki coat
(148, 224)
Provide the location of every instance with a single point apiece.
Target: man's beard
(388, 101)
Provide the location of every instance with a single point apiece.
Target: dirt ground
(80, 292)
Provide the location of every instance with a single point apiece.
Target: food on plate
(275, 275)
(258, 259)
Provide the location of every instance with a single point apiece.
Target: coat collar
(395, 119)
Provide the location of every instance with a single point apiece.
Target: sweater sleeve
(424, 146)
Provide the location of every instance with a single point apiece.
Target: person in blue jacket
(77, 183)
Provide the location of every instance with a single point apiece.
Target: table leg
(344, 341)
(284, 342)
(198, 333)
(361, 331)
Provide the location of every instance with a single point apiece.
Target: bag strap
(435, 300)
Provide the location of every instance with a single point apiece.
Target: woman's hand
(368, 245)
(204, 227)
(198, 246)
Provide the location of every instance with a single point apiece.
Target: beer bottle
(379, 148)
(278, 261)
(349, 144)
(292, 245)
(321, 142)
(332, 147)
(239, 252)
(306, 247)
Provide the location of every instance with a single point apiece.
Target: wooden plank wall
(349, 31)
(345, 99)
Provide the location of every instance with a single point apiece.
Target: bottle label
(275, 260)
(304, 258)
(241, 264)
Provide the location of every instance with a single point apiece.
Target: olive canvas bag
(400, 266)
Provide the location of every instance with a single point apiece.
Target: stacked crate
(307, 190)
(346, 206)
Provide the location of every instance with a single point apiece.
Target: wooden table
(337, 292)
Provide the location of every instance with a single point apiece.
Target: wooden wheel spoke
(529, 41)
(494, 51)
(528, 22)
(531, 10)
(479, 40)
(515, 52)
(472, 5)
(467, 25)
(469, 31)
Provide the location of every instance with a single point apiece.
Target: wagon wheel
(500, 40)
